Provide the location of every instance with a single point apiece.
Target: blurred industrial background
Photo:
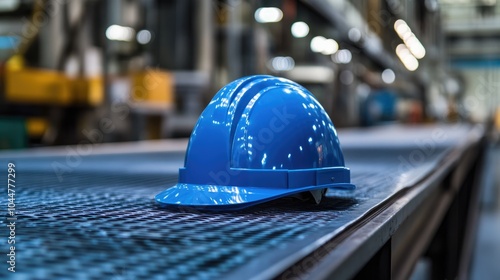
(107, 71)
(91, 72)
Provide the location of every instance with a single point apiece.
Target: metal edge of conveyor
(283, 260)
(147, 146)
(343, 260)
(473, 217)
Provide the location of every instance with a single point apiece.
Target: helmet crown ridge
(249, 113)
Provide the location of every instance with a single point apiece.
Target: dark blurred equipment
(149, 67)
(379, 107)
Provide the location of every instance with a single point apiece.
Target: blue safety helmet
(260, 138)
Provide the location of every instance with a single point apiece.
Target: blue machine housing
(260, 138)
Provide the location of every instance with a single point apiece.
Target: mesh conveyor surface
(100, 223)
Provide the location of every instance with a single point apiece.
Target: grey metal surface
(99, 221)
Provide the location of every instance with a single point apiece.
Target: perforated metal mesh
(102, 224)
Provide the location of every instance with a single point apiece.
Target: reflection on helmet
(260, 138)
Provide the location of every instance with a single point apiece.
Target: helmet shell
(259, 135)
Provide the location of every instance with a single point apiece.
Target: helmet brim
(214, 197)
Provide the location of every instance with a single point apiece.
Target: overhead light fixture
(406, 57)
(401, 27)
(354, 34)
(343, 56)
(300, 29)
(411, 41)
(120, 33)
(317, 44)
(320, 44)
(282, 63)
(311, 74)
(330, 47)
(268, 14)
(415, 47)
(388, 76)
(143, 37)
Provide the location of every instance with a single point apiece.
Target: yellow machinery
(39, 86)
(153, 87)
(152, 90)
